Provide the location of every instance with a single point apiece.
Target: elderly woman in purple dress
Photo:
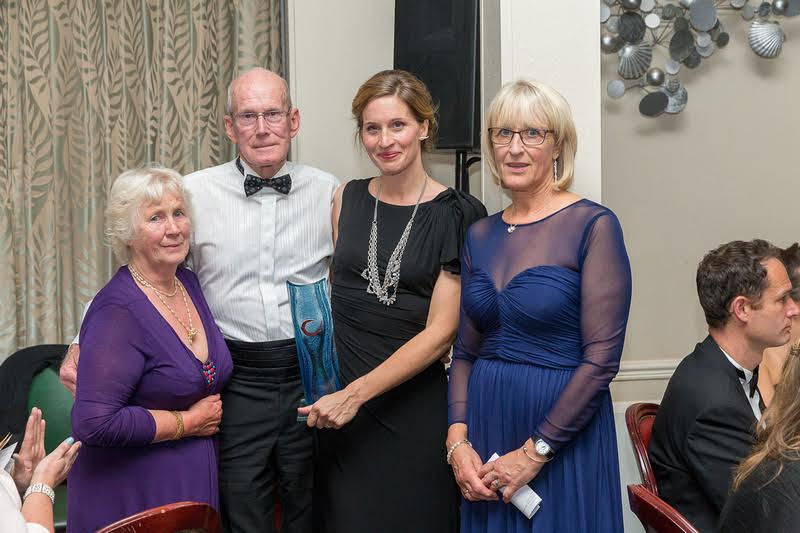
(152, 364)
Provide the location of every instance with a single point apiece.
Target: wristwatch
(543, 449)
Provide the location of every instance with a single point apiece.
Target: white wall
(333, 48)
(556, 43)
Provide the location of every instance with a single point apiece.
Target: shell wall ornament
(766, 38)
(634, 60)
(685, 33)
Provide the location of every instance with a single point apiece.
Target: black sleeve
(717, 442)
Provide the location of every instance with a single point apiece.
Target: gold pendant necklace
(191, 332)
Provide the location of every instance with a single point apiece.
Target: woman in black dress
(765, 495)
(395, 298)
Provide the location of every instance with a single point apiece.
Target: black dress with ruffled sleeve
(385, 470)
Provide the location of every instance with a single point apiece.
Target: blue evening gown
(543, 317)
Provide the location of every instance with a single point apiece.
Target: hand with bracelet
(465, 463)
(36, 474)
(513, 470)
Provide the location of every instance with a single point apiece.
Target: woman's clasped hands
(479, 481)
(512, 471)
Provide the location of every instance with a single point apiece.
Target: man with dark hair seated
(707, 419)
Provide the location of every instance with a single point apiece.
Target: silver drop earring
(555, 169)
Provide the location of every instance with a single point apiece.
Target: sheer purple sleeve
(605, 303)
(465, 351)
(109, 370)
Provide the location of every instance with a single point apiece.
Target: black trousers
(263, 448)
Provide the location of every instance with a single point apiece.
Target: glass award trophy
(313, 335)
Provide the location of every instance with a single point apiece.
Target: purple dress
(132, 360)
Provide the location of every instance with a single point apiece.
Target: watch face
(542, 448)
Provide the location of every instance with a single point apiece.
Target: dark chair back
(169, 519)
(639, 418)
(656, 515)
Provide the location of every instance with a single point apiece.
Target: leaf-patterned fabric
(88, 89)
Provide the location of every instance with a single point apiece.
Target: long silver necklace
(386, 291)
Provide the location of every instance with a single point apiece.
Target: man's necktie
(253, 184)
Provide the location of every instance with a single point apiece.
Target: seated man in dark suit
(706, 421)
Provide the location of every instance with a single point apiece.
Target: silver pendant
(511, 228)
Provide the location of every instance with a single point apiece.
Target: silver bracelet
(453, 448)
(44, 488)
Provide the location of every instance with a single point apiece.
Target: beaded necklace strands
(191, 332)
(386, 291)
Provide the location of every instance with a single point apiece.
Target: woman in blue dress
(546, 290)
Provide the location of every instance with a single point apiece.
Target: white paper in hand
(525, 499)
(5, 456)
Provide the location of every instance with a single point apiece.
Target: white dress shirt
(11, 519)
(245, 249)
(748, 375)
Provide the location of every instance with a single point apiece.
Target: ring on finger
(496, 484)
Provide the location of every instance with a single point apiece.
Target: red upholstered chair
(656, 515)
(639, 418)
(169, 519)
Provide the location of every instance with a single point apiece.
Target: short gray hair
(130, 191)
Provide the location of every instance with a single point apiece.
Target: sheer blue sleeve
(604, 307)
(110, 368)
(465, 351)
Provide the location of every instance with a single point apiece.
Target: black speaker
(438, 40)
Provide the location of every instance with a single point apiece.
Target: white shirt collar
(285, 169)
(748, 374)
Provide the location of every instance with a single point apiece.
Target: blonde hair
(130, 191)
(778, 432)
(529, 102)
(408, 88)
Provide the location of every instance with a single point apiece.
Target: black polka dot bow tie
(253, 184)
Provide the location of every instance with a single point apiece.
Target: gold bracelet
(532, 458)
(179, 425)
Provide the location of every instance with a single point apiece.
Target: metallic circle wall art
(610, 43)
(652, 21)
(654, 76)
(632, 27)
(630, 4)
(653, 104)
(605, 12)
(615, 89)
(703, 14)
(654, 39)
(793, 9)
(672, 67)
(676, 99)
(703, 39)
(681, 45)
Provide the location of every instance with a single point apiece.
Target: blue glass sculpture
(313, 335)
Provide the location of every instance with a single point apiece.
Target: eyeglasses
(250, 119)
(529, 137)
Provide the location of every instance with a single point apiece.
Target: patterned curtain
(88, 89)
